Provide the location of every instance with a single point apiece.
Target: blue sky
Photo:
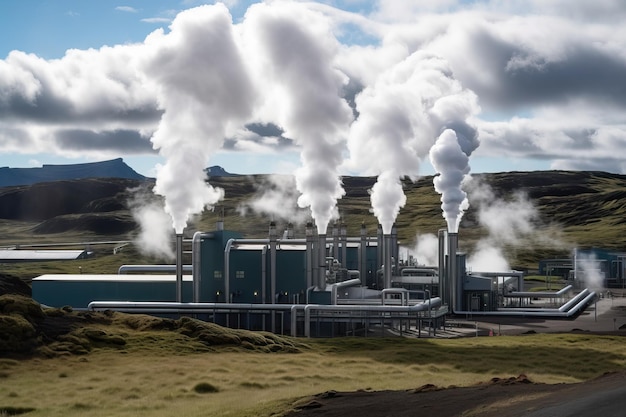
(548, 76)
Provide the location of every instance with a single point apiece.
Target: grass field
(153, 375)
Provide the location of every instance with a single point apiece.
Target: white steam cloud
(296, 52)
(155, 232)
(400, 116)
(277, 197)
(452, 164)
(205, 93)
(511, 223)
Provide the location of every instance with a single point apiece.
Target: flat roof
(39, 255)
(110, 278)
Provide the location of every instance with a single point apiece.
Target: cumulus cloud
(367, 92)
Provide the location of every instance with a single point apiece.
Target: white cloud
(127, 9)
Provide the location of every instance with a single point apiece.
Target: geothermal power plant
(315, 285)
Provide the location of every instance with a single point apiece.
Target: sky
(391, 88)
(549, 77)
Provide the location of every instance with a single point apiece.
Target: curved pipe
(343, 284)
(433, 303)
(576, 304)
(539, 294)
(196, 259)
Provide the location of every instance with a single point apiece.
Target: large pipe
(343, 284)
(432, 303)
(179, 267)
(196, 262)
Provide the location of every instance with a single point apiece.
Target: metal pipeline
(343, 284)
(433, 303)
(196, 260)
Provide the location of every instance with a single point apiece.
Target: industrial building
(314, 285)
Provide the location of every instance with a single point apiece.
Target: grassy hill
(568, 209)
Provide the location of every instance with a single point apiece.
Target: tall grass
(147, 379)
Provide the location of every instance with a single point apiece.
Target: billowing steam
(452, 164)
(588, 271)
(205, 93)
(155, 231)
(276, 197)
(297, 50)
(399, 118)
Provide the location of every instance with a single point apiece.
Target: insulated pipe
(179, 267)
(343, 284)
(547, 313)
(196, 261)
(433, 303)
(539, 294)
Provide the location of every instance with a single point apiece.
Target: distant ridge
(114, 168)
(218, 171)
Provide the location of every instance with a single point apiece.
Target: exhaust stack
(321, 262)
(179, 267)
(387, 265)
(454, 281)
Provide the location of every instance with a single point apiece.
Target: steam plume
(400, 116)
(452, 164)
(205, 93)
(298, 50)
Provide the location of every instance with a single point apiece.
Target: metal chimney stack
(310, 257)
(179, 267)
(444, 284)
(273, 237)
(454, 280)
(321, 262)
(387, 265)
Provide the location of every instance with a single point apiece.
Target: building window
(217, 274)
(240, 274)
